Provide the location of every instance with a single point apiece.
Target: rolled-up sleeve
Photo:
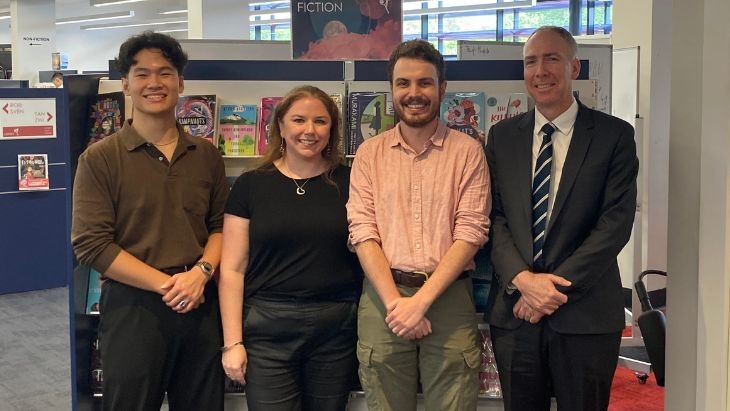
(471, 222)
(93, 215)
(361, 205)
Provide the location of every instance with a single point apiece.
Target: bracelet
(228, 347)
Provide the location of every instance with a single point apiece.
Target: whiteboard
(625, 91)
(598, 56)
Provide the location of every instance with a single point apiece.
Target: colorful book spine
(465, 111)
(268, 104)
(369, 114)
(237, 129)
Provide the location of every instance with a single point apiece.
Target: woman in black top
(285, 261)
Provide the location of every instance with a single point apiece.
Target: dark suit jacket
(591, 220)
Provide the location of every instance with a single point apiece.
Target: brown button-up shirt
(416, 204)
(127, 196)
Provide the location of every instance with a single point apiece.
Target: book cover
(345, 29)
(33, 172)
(93, 292)
(237, 129)
(337, 98)
(197, 115)
(464, 111)
(106, 115)
(504, 106)
(268, 104)
(369, 114)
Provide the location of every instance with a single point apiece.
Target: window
(443, 22)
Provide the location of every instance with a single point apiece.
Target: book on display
(369, 114)
(237, 129)
(268, 104)
(106, 116)
(33, 172)
(197, 115)
(464, 111)
(500, 107)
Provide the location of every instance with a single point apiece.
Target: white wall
(91, 50)
(699, 229)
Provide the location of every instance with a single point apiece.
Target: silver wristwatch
(206, 268)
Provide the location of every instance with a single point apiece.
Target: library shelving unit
(246, 82)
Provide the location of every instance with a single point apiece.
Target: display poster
(24, 118)
(33, 172)
(345, 29)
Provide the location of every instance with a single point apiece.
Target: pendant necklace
(300, 188)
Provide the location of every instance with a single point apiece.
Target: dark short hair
(420, 50)
(563, 33)
(170, 48)
(56, 75)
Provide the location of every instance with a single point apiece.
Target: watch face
(206, 267)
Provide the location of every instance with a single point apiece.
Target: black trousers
(535, 363)
(301, 355)
(147, 349)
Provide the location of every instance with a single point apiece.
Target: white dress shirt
(561, 141)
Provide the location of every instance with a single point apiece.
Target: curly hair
(420, 50)
(170, 48)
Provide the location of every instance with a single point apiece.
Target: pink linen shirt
(415, 205)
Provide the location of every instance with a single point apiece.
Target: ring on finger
(182, 304)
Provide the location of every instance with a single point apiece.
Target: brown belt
(416, 278)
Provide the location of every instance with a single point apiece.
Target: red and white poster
(33, 172)
(27, 118)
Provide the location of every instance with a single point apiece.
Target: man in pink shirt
(418, 212)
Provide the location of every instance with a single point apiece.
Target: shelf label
(26, 118)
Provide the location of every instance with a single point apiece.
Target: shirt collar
(563, 123)
(437, 139)
(132, 140)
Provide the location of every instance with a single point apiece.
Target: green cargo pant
(447, 360)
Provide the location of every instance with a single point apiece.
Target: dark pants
(147, 349)
(301, 355)
(535, 362)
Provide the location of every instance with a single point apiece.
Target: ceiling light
(170, 31)
(101, 3)
(118, 26)
(174, 12)
(96, 17)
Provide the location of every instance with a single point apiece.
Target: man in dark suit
(564, 197)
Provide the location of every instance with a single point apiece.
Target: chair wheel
(642, 377)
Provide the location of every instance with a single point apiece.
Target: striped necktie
(541, 193)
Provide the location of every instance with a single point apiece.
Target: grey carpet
(35, 369)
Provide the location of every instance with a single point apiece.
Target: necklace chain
(300, 188)
(166, 144)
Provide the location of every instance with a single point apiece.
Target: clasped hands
(539, 297)
(406, 318)
(183, 292)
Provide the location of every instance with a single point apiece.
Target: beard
(417, 120)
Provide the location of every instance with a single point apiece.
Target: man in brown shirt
(147, 214)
